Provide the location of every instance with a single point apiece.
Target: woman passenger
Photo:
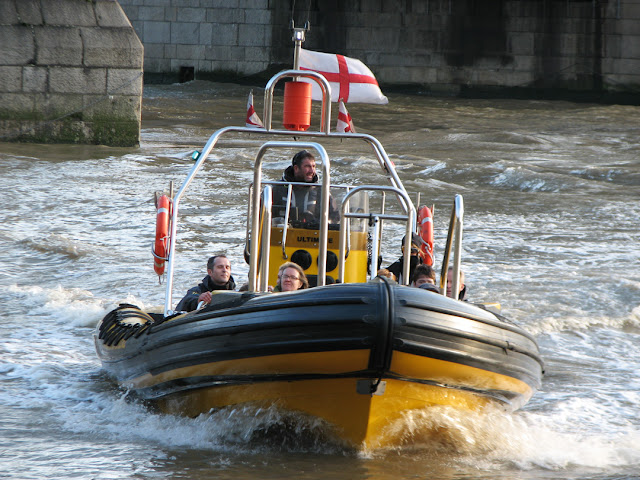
(291, 277)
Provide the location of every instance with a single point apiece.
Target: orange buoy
(297, 106)
(425, 224)
(161, 245)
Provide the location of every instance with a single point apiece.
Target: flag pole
(298, 38)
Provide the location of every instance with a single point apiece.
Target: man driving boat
(305, 200)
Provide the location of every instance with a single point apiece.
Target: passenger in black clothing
(305, 201)
(218, 278)
(414, 261)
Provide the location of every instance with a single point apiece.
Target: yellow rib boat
(356, 350)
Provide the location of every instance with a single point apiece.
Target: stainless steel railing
(409, 217)
(454, 242)
(324, 208)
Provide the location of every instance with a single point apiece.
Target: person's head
(423, 274)
(219, 269)
(450, 280)
(291, 277)
(416, 243)
(304, 167)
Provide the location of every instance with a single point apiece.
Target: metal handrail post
(406, 257)
(213, 139)
(265, 238)
(324, 216)
(454, 233)
(324, 208)
(455, 282)
(409, 217)
(375, 245)
(380, 231)
(378, 149)
(255, 220)
(285, 227)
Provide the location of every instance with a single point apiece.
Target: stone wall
(70, 72)
(180, 37)
(436, 45)
(454, 45)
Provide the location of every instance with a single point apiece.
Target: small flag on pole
(350, 79)
(345, 123)
(253, 120)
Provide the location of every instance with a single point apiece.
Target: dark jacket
(190, 300)
(396, 267)
(305, 201)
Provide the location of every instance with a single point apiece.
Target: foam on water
(118, 418)
(491, 439)
(581, 323)
(57, 244)
(486, 440)
(72, 307)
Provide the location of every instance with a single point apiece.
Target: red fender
(161, 245)
(425, 227)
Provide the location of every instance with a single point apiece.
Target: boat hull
(358, 356)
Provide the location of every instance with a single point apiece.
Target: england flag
(350, 79)
(345, 123)
(253, 120)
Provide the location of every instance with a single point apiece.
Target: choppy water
(552, 202)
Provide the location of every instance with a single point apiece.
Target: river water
(552, 202)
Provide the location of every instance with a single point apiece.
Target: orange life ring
(161, 245)
(425, 226)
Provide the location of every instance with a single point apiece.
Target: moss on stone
(105, 131)
(120, 133)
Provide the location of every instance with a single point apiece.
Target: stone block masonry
(70, 72)
(213, 38)
(438, 46)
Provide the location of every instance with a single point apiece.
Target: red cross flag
(350, 79)
(345, 124)
(253, 120)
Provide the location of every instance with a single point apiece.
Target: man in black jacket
(218, 278)
(305, 201)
